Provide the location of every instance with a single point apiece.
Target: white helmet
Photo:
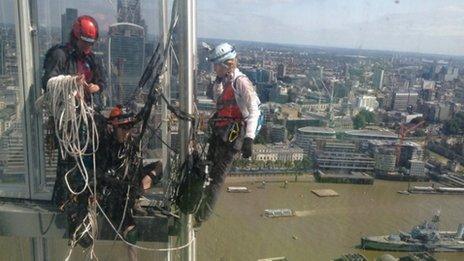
(222, 53)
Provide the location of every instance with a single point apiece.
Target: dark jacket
(62, 60)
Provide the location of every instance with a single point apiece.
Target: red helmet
(119, 116)
(85, 28)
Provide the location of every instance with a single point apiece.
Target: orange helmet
(118, 116)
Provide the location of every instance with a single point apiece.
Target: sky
(427, 26)
(403, 25)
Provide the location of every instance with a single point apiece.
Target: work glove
(218, 79)
(210, 89)
(247, 147)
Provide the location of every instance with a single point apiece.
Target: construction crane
(330, 93)
(403, 132)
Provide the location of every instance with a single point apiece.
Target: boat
(422, 238)
(385, 257)
(238, 189)
(423, 188)
(436, 190)
(280, 212)
(402, 177)
(450, 190)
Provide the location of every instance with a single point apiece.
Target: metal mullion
(22, 53)
(38, 182)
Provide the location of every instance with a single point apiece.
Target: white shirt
(246, 98)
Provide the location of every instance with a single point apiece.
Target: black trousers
(220, 157)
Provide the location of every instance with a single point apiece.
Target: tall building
(367, 102)
(264, 76)
(279, 133)
(279, 94)
(377, 79)
(451, 74)
(126, 52)
(281, 70)
(2, 58)
(417, 168)
(342, 156)
(402, 100)
(305, 136)
(444, 111)
(129, 12)
(67, 20)
(12, 154)
(274, 152)
(259, 75)
(385, 159)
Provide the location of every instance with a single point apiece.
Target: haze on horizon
(424, 26)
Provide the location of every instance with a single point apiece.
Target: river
(325, 229)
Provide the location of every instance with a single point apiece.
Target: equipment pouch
(192, 183)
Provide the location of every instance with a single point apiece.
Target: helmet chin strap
(87, 51)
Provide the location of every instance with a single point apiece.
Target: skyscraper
(281, 70)
(67, 20)
(129, 12)
(2, 58)
(377, 79)
(126, 52)
(402, 100)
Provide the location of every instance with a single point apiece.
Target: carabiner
(234, 131)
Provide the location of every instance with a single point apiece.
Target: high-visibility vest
(227, 107)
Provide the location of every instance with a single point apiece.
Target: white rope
(73, 117)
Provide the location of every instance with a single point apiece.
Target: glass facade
(13, 157)
(120, 50)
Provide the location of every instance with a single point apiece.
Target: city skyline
(408, 26)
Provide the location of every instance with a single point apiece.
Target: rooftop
(372, 133)
(323, 130)
(277, 146)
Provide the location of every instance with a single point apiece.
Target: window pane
(15, 248)
(128, 34)
(12, 159)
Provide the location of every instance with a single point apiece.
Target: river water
(328, 228)
(325, 229)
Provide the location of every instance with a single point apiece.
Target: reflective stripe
(88, 39)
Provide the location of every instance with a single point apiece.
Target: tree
(417, 120)
(304, 164)
(363, 118)
(419, 133)
(292, 95)
(451, 127)
(260, 138)
(359, 122)
(455, 125)
(368, 116)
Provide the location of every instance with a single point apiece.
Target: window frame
(23, 53)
